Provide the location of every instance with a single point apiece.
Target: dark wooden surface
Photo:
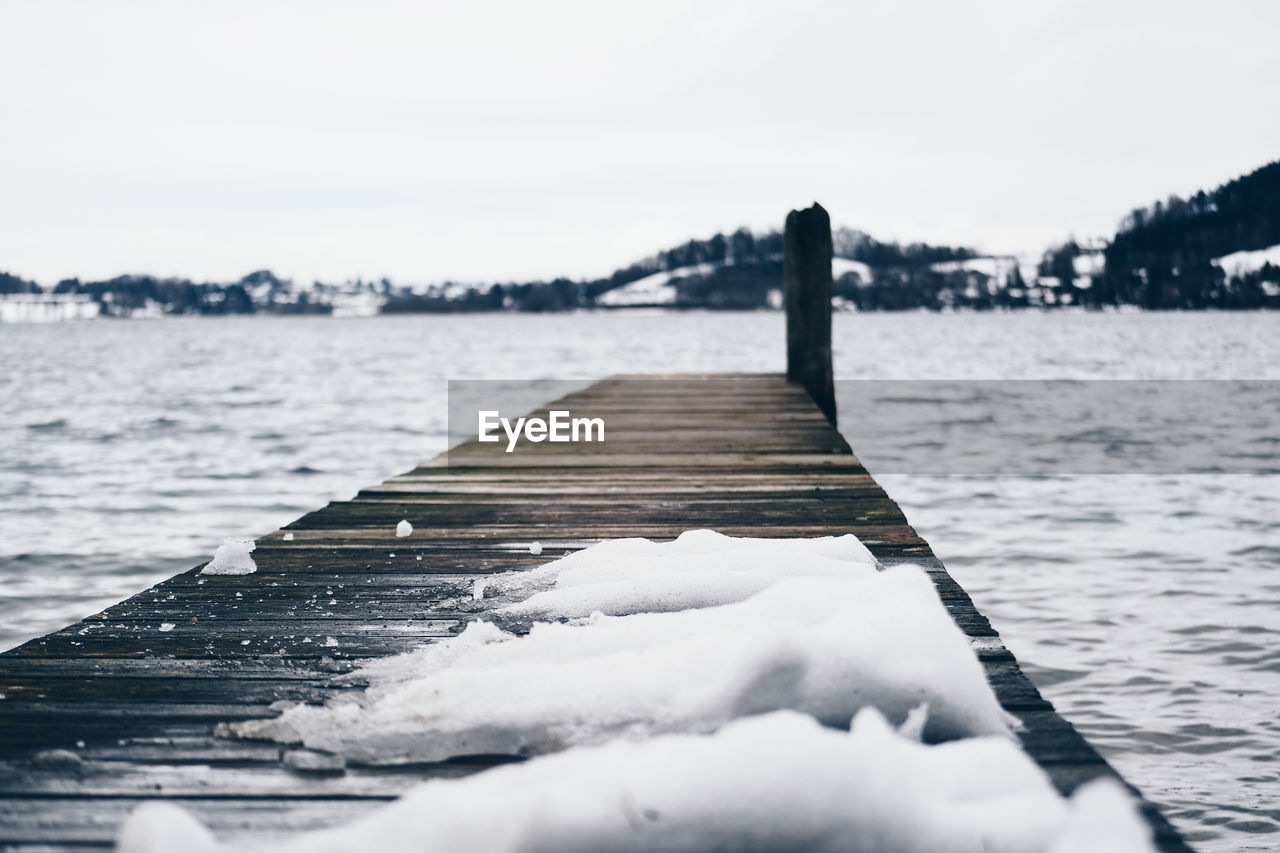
(806, 291)
(112, 711)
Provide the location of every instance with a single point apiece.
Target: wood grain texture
(112, 711)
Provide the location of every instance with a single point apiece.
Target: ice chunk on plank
(1103, 819)
(846, 547)
(698, 569)
(232, 558)
(823, 646)
(652, 585)
(774, 782)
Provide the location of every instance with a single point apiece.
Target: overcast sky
(479, 141)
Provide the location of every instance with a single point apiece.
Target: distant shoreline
(1074, 310)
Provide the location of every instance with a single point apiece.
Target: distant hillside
(1215, 249)
(745, 271)
(1218, 249)
(737, 271)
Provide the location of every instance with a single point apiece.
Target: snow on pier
(242, 698)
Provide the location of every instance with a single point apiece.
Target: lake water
(1145, 605)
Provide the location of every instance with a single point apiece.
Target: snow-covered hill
(1242, 263)
(656, 289)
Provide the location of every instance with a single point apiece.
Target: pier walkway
(122, 707)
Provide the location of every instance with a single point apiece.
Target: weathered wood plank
(521, 536)
(744, 509)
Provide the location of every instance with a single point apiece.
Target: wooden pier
(122, 707)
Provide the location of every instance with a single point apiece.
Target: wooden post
(806, 278)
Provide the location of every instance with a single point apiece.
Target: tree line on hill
(1161, 257)
(734, 271)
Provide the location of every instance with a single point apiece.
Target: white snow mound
(1243, 263)
(701, 568)
(823, 646)
(1103, 819)
(160, 825)
(774, 782)
(710, 716)
(232, 558)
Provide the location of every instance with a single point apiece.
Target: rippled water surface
(1146, 606)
